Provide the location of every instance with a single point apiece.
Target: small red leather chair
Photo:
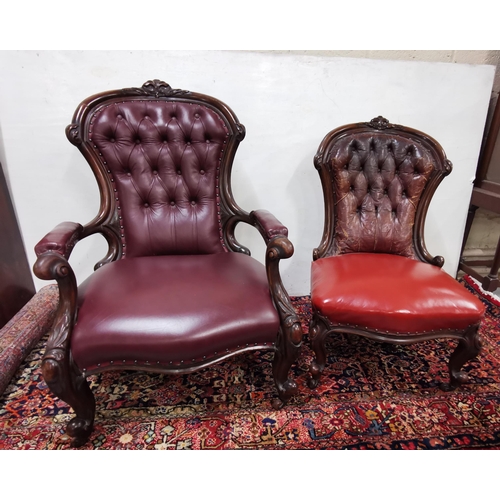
(176, 292)
(372, 274)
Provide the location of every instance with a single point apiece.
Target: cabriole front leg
(68, 384)
(468, 348)
(287, 352)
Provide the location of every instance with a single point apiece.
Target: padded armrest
(269, 225)
(61, 239)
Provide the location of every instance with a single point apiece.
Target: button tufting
(137, 141)
(193, 203)
(146, 204)
(178, 172)
(172, 203)
(202, 172)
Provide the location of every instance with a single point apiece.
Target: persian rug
(372, 396)
(24, 330)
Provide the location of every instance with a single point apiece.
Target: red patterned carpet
(373, 396)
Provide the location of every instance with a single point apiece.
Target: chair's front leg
(290, 335)
(468, 348)
(59, 371)
(67, 382)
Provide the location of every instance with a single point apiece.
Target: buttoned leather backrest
(378, 180)
(163, 162)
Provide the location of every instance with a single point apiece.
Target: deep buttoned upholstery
(163, 160)
(176, 291)
(379, 179)
(372, 275)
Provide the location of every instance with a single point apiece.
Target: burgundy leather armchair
(372, 274)
(176, 292)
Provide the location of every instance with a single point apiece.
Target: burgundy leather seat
(176, 291)
(172, 310)
(372, 274)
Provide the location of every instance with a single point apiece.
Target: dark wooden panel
(16, 281)
(486, 195)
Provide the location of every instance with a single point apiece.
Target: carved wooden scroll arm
(268, 225)
(58, 368)
(53, 252)
(279, 247)
(61, 240)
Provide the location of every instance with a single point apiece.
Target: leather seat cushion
(391, 293)
(171, 310)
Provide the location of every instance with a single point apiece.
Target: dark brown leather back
(373, 181)
(378, 180)
(164, 160)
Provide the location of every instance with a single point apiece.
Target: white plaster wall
(287, 102)
(491, 57)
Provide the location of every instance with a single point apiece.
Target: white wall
(287, 102)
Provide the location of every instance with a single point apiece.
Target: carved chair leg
(467, 349)
(288, 348)
(67, 382)
(318, 331)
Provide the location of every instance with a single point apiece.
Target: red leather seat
(366, 290)
(181, 309)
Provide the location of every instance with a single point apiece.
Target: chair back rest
(378, 180)
(161, 158)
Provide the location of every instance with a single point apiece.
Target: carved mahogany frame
(320, 328)
(60, 372)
